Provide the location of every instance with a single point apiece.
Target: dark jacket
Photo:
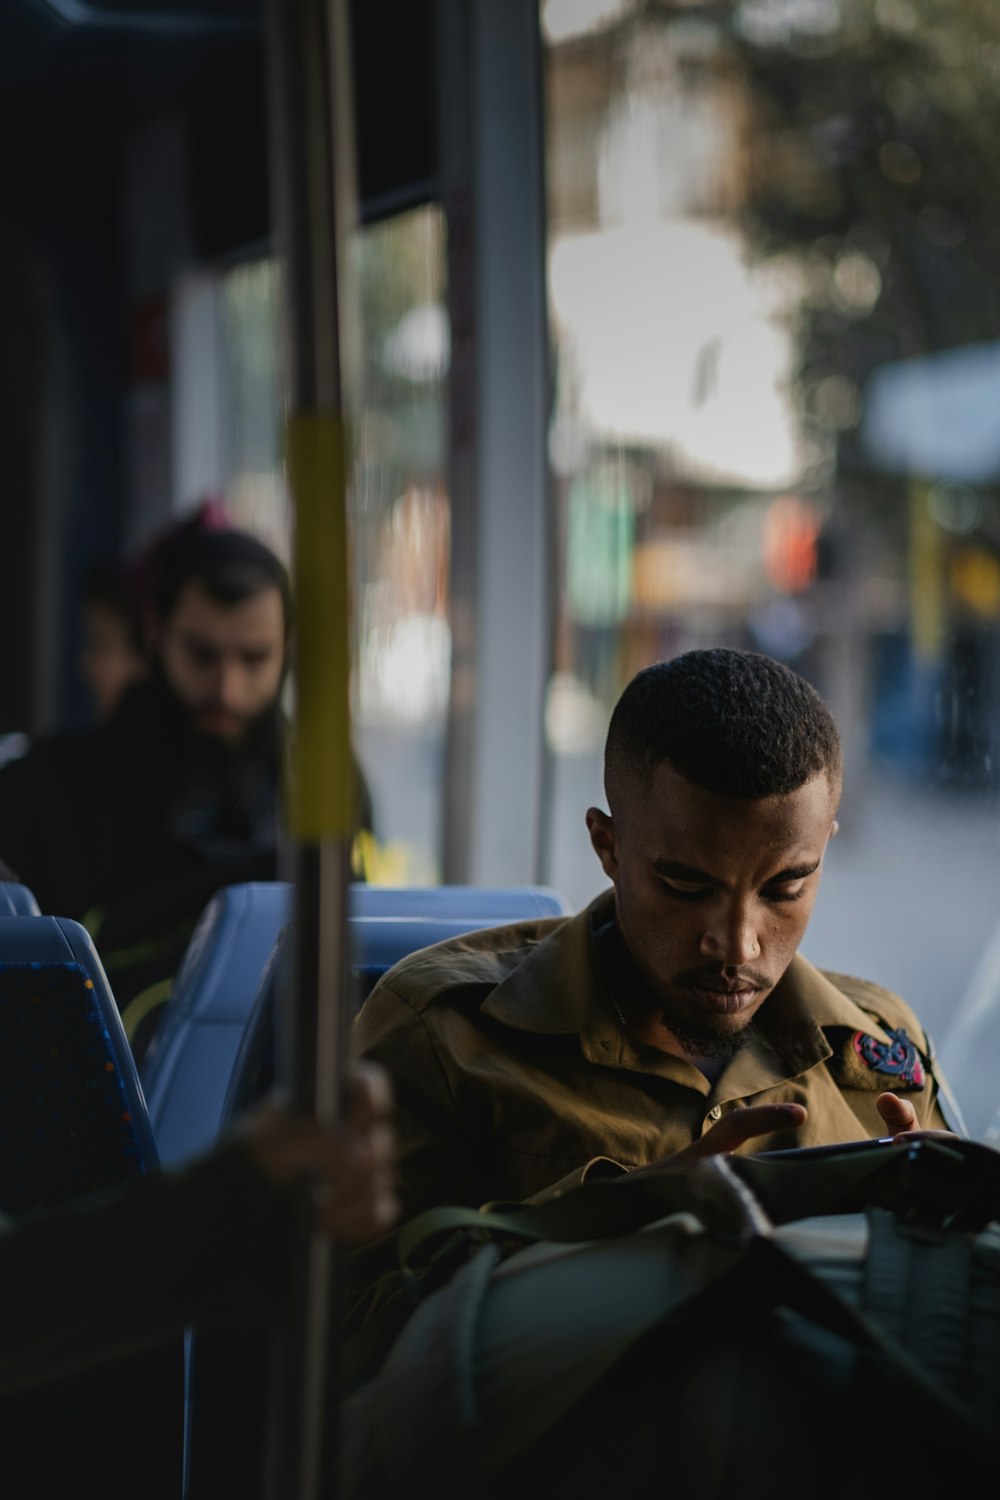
(207, 1244)
(132, 826)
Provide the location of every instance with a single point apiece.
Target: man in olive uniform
(674, 1017)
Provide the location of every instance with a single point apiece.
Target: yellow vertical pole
(311, 118)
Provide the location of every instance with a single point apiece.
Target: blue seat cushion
(67, 1126)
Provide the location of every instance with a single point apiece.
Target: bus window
(400, 518)
(398, 503)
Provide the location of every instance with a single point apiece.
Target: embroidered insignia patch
(900, 1058)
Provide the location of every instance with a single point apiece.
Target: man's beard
(707, 1040)
(255, 736)
(696, 1038)
(231, 742)
(181, 719)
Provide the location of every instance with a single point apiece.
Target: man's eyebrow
(795, 872)
(674, 870)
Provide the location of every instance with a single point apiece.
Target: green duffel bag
(826, 1319)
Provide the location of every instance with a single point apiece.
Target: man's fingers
(730, 1132)
(349, 1166)
(898, 1114)
(369, 1093)
(944, 1136)
(741, 1125)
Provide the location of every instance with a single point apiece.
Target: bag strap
(432, 1247)
(608, 1208)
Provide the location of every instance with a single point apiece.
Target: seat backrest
(73, 1122)
(71, 1098)
(187, 1071)
(493, 903)
(17, 901)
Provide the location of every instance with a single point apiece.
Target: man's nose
(732, 937)
(228, 685)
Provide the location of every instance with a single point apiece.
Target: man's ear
(601, 827)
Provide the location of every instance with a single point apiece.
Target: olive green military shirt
(514, 1077)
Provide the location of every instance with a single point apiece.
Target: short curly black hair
(734, 722)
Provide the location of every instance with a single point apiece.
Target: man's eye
(785, 893)
(683, 891)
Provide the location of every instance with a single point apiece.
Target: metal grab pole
(311, 119)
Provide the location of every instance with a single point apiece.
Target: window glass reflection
(401, 527)
(398, 510)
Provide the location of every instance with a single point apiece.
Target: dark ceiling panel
(51, 70)
(394, 102)
(74, 88)
(198, 9)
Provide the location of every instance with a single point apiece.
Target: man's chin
(727, 1036)
(224, 728)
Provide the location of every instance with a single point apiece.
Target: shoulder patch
(862, 1061)
(898, 1061)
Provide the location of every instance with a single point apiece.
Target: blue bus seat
(70, 1096)
(494, 903)
(186, 1072)
(73, 1122)
(17, 901)
(204, 1017)
(378, 942)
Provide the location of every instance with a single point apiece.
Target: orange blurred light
(791, 534)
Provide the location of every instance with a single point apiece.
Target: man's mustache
(716, 979)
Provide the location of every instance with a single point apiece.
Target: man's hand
(730, 1132)
(351, 1165)
(901, 1121)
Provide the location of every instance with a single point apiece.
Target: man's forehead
(256, 620)
(666, 791)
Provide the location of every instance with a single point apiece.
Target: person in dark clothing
(210, 1242)
(132, 826)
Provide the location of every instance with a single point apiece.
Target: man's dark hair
(734, 722)
(230, 566)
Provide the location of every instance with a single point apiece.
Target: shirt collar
(805, 997)
(557, 989)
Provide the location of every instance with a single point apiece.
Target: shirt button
(715, 1113)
